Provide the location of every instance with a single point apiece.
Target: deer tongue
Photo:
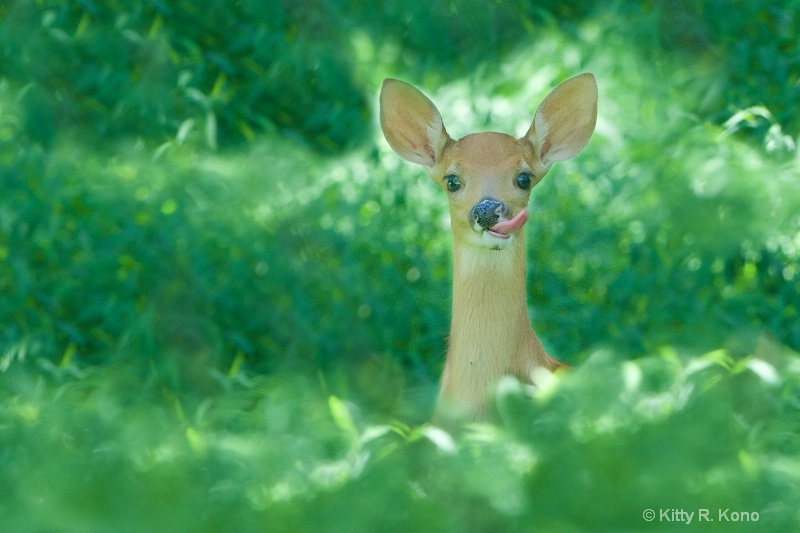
(505, 228)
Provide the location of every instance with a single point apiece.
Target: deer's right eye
(452, 182)
(524, 181)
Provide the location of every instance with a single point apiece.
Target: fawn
(488, 179)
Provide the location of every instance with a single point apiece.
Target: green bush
(224, 301)
(105, 447)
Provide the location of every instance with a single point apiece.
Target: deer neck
(490, 330)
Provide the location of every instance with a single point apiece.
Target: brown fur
(490, 334)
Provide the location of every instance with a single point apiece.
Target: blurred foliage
(113, 68)
(222, 295)
(99, 448)
(229, 70)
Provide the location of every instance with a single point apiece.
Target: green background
(224, 300)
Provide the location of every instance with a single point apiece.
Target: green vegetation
(224, 300)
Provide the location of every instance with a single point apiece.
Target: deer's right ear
(565, 119)
(411, 123)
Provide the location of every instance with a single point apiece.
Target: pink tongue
(506, 227)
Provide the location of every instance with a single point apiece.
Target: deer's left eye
(524, 180)
(452, 182)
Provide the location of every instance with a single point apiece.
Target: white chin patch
(495, 243)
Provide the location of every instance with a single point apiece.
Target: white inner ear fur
(541, 128)
(436, 138)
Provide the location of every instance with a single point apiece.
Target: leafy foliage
(224, 301)
(593, 451)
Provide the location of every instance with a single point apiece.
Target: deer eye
(524, 180)
(452, 182)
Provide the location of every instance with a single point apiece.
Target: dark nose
(487, 212)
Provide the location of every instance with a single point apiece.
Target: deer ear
(411, 123)
(565, 120)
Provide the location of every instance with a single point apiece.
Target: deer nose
(487, 212)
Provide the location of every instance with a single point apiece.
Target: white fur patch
(485, 256)
(541, 128)
(435, 133)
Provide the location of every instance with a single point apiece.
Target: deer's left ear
(411, 123)
(565, 120)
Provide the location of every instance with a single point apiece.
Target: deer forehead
(487, 156)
